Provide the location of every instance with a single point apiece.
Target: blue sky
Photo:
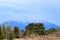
(30, 10)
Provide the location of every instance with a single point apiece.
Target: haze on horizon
(30, 10)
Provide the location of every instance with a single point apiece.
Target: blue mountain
(19, 24)
(22, 24)
(49, 25)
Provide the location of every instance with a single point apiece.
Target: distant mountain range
(22, 24)
(49, 25)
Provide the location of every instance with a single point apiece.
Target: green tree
(16, 32)
(9, 32)
(1, 35)
(52, 30)
(35, 28)
(4, 31)
(39, 28)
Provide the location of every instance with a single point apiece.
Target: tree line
(6, 32)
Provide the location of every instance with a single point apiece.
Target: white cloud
(30, 10)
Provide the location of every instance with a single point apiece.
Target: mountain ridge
(22, 24)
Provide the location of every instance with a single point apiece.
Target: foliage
(52, 30)
(1, 35)
(4, 31)
(34, 28)
(16, 32)
(8, 32)
(30, 29)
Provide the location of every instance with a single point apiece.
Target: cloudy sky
(30, 10)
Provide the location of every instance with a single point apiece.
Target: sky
(30, 10)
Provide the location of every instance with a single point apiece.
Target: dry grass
(49, 37)
(41, 38)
